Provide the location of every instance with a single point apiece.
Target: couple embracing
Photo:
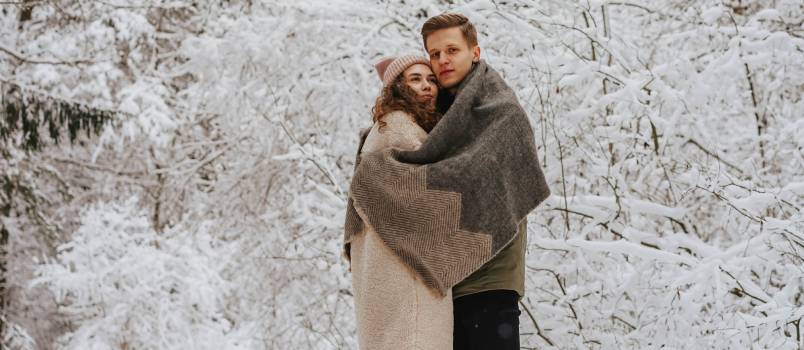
(435, 226)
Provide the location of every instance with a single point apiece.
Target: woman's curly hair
(398, 96)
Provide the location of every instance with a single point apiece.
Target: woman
(395, 310)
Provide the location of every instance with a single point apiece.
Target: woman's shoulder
(399, 122)
(400, 130)
(399, 118)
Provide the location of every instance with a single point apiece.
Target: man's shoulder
(495, 85)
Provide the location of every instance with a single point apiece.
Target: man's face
(450, 56)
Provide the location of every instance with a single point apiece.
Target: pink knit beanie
(391, 67)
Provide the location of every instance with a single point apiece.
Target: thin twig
(538, 329)
(22, 58)
(618, 318)
(309, 157)
(712, 154)
(742, 289)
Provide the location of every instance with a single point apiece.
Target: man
(486, 310)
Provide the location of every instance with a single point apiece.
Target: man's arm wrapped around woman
(395, 130)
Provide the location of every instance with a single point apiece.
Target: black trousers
(487, 321)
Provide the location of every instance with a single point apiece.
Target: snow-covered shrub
(15, 337)
(126, 286)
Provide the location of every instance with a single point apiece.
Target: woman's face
(422, 80)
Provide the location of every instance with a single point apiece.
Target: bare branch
(22, 58)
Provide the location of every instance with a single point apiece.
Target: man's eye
(452, 50)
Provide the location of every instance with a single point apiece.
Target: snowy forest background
(196, 198)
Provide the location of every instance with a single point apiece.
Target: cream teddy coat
(395, 310)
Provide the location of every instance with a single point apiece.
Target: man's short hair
(449, 20)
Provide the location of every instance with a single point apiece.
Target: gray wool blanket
(451, 205)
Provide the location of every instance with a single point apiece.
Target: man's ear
(476, 53)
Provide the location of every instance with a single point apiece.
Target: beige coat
(395, 310)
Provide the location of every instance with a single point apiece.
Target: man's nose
(443, 59)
